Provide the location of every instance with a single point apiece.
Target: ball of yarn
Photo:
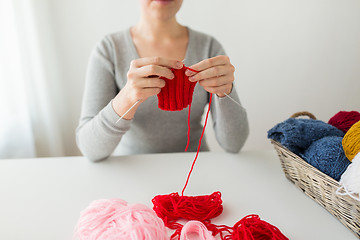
(351, 141)
(327, 155)
(350, 180)
(252, 227)
(343, 120)
(297, 134)
(172, 207)
(195, 230)
(115, 219)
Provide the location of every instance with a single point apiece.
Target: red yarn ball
(252, 227)
(173, 207)
(343, 120)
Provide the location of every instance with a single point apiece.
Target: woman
(128, 66)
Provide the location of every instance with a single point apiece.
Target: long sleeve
(98, 134)
(230, 120)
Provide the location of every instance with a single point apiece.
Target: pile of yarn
(252, 227)
(317, 142)
(333, 147)
(172, 207)
(115, 219)
(297, 134)
(200, 210)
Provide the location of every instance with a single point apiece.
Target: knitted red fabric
(177, 93)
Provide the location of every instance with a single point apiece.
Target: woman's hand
(143, 81)
(215, 74)
(143, 77)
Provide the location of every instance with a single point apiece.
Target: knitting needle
(233, 100)
(128, 111)
(140, 99)
(224, 93)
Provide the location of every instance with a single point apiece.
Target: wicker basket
(320, 187)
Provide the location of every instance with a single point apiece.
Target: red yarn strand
(198, 150)
(188, 133)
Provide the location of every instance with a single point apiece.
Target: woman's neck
(155, 29)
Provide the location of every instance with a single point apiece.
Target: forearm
(230, 122)
(97, 137)
(124, 105)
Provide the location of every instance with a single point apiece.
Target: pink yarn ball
(115, 219)
(195, 230)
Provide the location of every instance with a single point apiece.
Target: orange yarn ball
(351, 141)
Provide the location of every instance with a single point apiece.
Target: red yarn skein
(343, 120)
(172, 207)
(252, 227)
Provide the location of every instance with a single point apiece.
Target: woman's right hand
(143, 81)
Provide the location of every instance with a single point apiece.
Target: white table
(41, 198)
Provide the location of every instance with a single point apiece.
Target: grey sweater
(151, 130)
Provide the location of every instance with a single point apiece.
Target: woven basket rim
(301, 161)
(343, 207)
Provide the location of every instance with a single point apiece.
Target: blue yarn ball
(327, 155)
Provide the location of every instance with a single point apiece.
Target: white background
(290, 55)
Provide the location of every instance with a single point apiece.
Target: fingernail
(172, 76)
(179, 64)
(189, 73)
(192, 79)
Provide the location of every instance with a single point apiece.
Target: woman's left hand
(215, 74)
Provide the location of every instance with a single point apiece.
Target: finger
(211, 73)
(216, 81)
(155, 70)
(148, 92)
(150, 83)
(217, 90)
(159, 61)
(210, 62)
